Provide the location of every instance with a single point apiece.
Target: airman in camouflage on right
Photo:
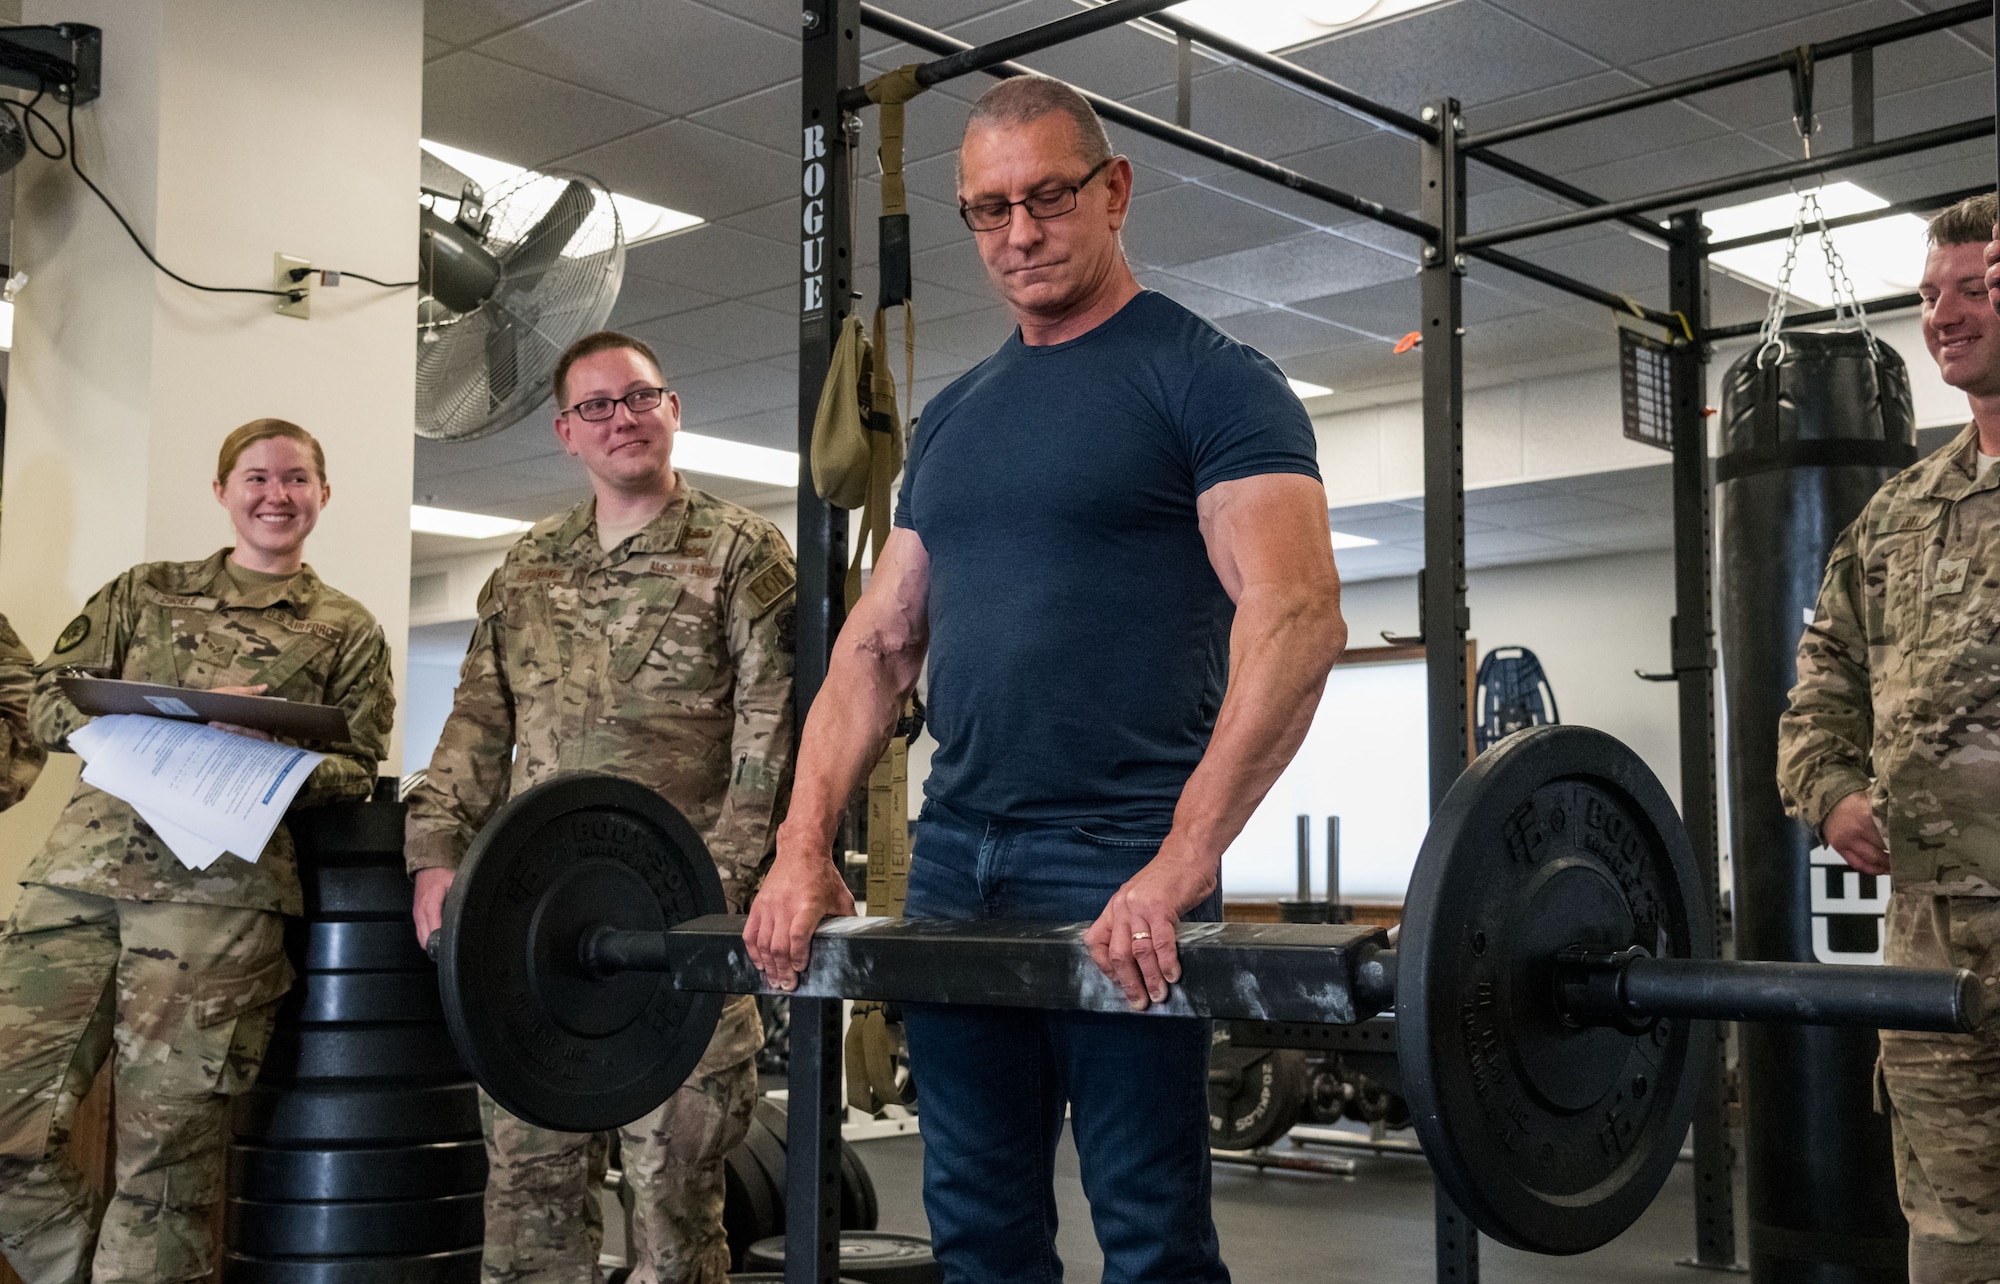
(1891, 752)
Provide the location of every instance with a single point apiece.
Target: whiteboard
(1363, 760)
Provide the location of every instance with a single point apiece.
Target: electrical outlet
(282, 268)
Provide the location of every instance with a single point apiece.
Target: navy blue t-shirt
(1079, 635)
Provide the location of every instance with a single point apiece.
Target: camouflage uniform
(21, 755)
(668, 661)
(1898, 695)
(115, 943)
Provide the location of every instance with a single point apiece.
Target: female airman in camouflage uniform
(115, 944)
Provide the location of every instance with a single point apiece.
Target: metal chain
(1845, 299)
(1774, 311)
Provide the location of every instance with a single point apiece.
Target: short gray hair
(1021, 99)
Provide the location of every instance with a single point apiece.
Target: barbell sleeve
(1330, 973)
(1628, 987)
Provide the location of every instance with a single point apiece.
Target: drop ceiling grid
(1519, 58)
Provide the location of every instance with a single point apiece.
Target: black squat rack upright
(830, 95)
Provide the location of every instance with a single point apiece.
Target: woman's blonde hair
(258, 430)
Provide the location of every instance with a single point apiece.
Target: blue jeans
(993, 1082)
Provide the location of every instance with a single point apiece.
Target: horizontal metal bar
(889, 24)
(1568, 191)
(1253, 971)
(1736, 74)
(1291, 73)
(1887, 998)
(1692, 193)
(1581, 289)
(1061, 31)
(1938, 202)
(1887, 303)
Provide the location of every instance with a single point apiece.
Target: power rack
(1445, 143)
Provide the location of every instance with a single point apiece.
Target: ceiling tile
(1625, 34)
(504, 112)
(717, 395)
(972, 335)
(674, 56)
(1189, 222)
(1283, 336)
(682, 165)
(1302, 268)
(730, 328)
(769, 117)
(955, 266)
(1469, 50)
(526, 439)
(780, 16)
(642, 298)
(717, 260)
(1199, 299)
(777, 428)
(1379, 167)
(435, 48)
(460, 22)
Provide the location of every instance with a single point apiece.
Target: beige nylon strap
(885, 459)
(890, 91)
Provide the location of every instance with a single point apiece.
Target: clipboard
(103, 696)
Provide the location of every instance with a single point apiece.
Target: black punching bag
(1812, 424)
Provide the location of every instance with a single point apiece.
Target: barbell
(1552, 986)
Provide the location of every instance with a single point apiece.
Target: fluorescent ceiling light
(1341, 539)
(1885, 256)
(723, 458)
(1279, 24)
(1303, 390)
(447, 521)
(6, 327)
(640, 220)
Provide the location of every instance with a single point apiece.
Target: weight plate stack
(357, 1157)
(754, 1204)
(868, 1257)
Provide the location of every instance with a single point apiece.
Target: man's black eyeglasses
(638, 401)
(1050, 202)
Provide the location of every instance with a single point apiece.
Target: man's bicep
(1271, 527)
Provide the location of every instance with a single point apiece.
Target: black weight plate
(370, 1172)
(460, 1266)
(357, 889)
(767, 1140)
(348, 829)
(749, 1205)
(299, 1053)
(767, 1150)
(1553, 1138)
(554, 1045)
(320, 998)
(1255, 1095)
(355, 1114)
(370, 1228)
(365, 945)
(872, 1257)
(860, 1209)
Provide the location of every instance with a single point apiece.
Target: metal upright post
(1445, 619)
(1693, 644)
(812, 1131)
(831, 50)
(832, 63)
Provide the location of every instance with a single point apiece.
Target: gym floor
(1372, 1228)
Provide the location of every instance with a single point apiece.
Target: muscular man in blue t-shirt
(1112, 543)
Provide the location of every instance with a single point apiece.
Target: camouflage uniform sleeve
(21, 755)
(364, 688)
(1825, 734)
(763, 628)
(467, 778)
(94, 642)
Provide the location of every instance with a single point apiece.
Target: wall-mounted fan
(509, 280)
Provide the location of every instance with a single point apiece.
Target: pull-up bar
(979, 58)
(1724, 76)
(1694, 192)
